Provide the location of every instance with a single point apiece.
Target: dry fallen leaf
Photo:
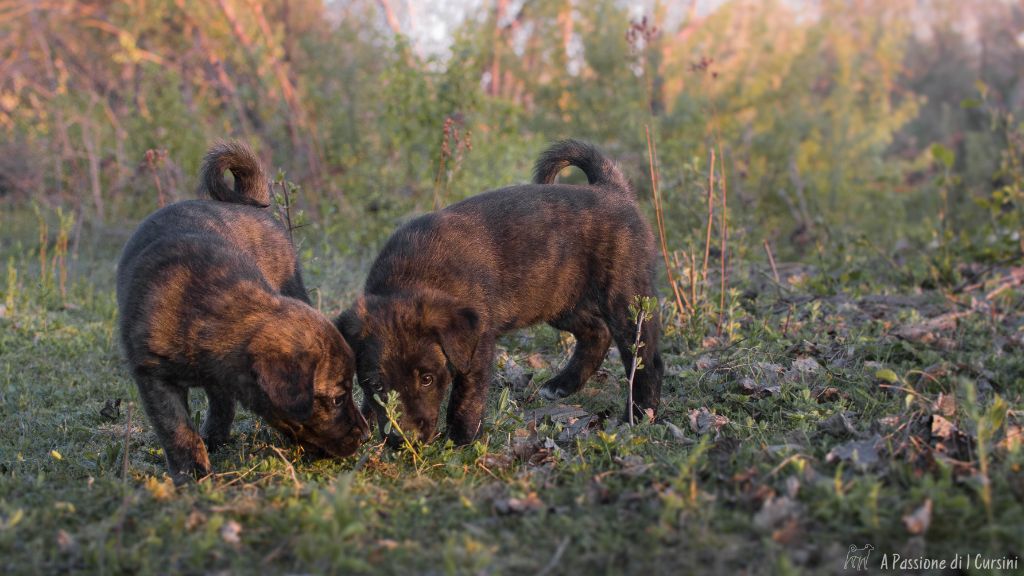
(925, 332)
(918, 522)
(66, 543)
(513, 376)
(529, 503)
(839, 424)
(945, 404)
(806, 365)
(677, 433)
(775, 512)
(828, 394)
(231, 532)
(496, 461)
(536, 361)
(942, 429)
(706, 362)
(195, 519)
(703, 421)
(1013, 440)
(862, 453)
(751, 387)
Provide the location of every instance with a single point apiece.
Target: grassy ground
(831, 418)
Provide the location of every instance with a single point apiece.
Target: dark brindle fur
(448, 283)
(210, 295)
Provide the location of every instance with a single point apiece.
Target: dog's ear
(350, 325)
(350, 322)
(287, 382)
(459, 331)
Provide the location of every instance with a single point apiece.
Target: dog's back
(171, 288)
(513, 244)
(253, 232)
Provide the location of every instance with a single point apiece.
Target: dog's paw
(552, 391)
(216, 441)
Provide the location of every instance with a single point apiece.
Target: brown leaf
(513, 376)
(776, 512)
(918, 522)
(530, 503)
(945, 404)
(557, 413)
(495, 461)
(942, 429)
(703, 421)
(195, 520)
(1013, 440)
(751, 387)
(862, 453)
(632, 466)
(838, 424)
(928, 331)
(706, 362)
(66, 543)
(828, 394)
(231, 532)
(677, 433)
(788, 532)
(536, 361)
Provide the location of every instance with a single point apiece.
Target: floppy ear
(350, 324)
(459, 334)
(288, 383)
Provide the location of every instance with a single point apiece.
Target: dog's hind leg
(647, 382)
(166, 405)
(592, 342)
(220, 414)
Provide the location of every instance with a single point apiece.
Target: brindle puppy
(210, 295)
(448, 283)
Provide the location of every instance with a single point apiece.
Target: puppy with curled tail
(211, 296)
(448, 283)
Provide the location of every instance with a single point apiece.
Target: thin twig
(291, 469)
(771, 261)
(659, 216)
(636, 354)
(127, 443)
(724, 237)
(556, 558)
(711, 214)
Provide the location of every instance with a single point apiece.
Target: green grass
(756, 490)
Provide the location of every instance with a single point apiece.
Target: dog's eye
(427, 380)
(340, 398)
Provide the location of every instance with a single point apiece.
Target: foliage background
(826, 112)
(867, 389)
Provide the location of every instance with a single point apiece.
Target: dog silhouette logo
(857, 558)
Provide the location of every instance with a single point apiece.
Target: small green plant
(641, 310)
(59, 264)
(43, 227)
(455, 144)
(12, 284)
(392, 411)
(987, 423)
(284, 200)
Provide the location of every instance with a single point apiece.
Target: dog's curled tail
(600, 170)
(252, 186)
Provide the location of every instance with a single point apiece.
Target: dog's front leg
(469, 395)
(166, 404)
(216, 430)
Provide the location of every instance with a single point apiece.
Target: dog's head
(302, 369)
(413, 345)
